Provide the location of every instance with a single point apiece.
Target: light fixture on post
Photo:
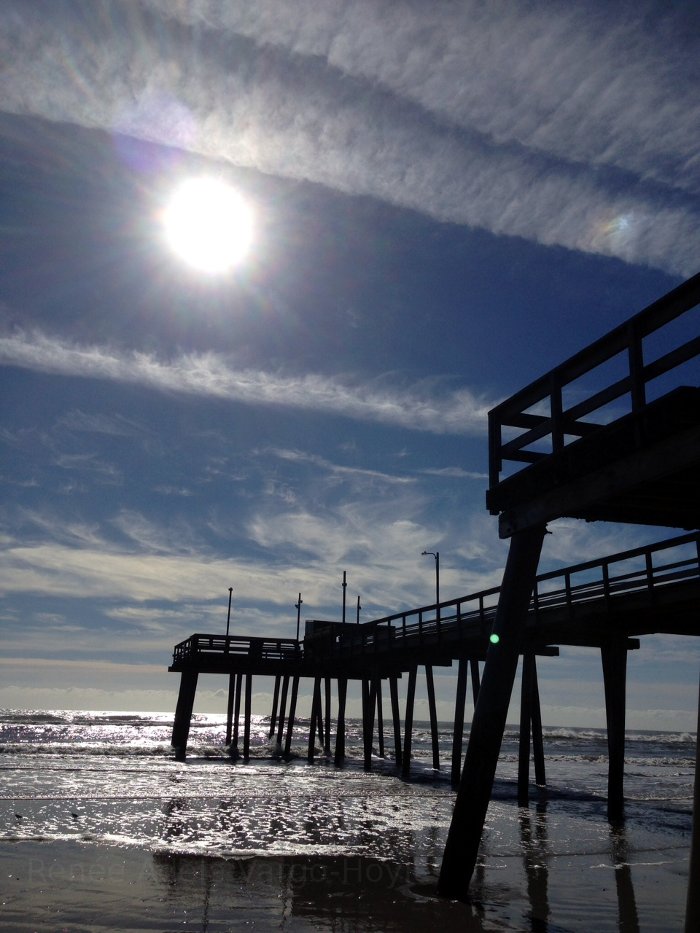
(436, 555)
(228, 617)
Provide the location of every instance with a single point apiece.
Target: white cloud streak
(588, 85)
(210, 375)
(497, 116)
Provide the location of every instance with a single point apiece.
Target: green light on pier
(494, 638)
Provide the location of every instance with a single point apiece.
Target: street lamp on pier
(228, 617)
(436, 555)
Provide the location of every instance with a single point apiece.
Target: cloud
(566, 127)
(210, 375)
(336, 469)
(110, 425)
(591, 86)
(454, 473)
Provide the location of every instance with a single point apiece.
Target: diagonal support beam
(489, 721)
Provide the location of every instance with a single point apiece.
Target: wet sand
(77, 887)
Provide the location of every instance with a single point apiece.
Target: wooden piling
(319, 715)
(283, 709)
(290, 718)
(614, 660)
(340, 728)
(229, 707)
(536, 721)
(247, 713)
(368, 702)
(432, 709)
(490, 715)
(275, 698)
(183, 713)
(315, 709)
(380, 717)
(476, 679)
(525, 720)
(408, 721)
(327, 716)
(458, 727)
(395, 717)
(692, 905)
(236, 711)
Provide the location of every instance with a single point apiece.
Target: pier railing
(640, 572)
(610, 378)
(258, 649)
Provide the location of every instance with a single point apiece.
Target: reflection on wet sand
(349, 893)
(390, 883)
(537, 854)
(533, 835)
(627, 906)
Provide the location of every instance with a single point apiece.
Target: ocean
(102, 829)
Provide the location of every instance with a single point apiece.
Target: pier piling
(408, 722)
(395, 717)
(340, 728)
(614, 660)
(490, 714)
(229, 707)
(458, 726)
(432, 710)
(290, 718)
(183, 712)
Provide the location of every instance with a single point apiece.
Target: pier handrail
(607, 579)
(453, 614)
(546, 394)
(266, 649)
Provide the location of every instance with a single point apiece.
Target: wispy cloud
(454, 473)
(110, 425)
(336, 469)
(211, 375)
(591, 86)
(567, 127)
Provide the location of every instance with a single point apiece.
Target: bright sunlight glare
(208, 224)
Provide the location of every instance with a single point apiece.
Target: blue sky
(448, 199)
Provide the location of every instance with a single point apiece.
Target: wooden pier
(599, 448)
(623, 448)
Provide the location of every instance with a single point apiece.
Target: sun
(208, 224)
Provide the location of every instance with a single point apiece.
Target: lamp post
(436, 555)
(297, 605)
(228, 617)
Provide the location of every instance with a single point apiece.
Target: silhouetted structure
(637, 462)
(637, 466)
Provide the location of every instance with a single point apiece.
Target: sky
(447, 200)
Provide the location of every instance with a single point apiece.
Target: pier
(612, 434)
